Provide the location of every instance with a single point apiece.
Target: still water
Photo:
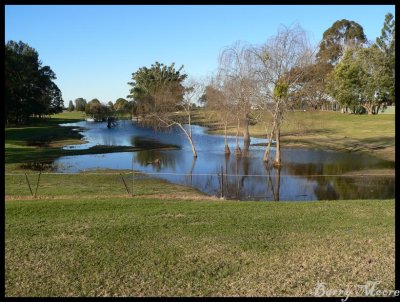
(305, 174)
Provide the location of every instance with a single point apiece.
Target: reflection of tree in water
(334, 186)
(156, 158)
(239, 170)
(190, 172)
(148, 143)
(325, 191)
(324, 188)
(365, 187)
(246, 147)
(272, 186)
(232, 183)
(110, 140)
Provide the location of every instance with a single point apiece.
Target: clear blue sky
(95, 49)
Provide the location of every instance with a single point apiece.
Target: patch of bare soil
(186, 196)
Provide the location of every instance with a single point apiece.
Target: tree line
(99, 111)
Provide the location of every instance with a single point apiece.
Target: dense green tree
(312, 87)
(158, 88)
(80, 104)
(111, 106)
(30, 90)
(356, 82)
(386, 45)
(386, 41)
(121, 105)
(365, 77)
(71, 106)
(97, 110)
(342, 35)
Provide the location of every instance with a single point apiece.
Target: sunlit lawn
(103, 246)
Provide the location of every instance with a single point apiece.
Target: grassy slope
(93, 184)
(150, 247)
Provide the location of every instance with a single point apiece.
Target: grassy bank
(97, 183)
(149, 247)
(372, 134)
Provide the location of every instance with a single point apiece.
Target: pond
(305, 174)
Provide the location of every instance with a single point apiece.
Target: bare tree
(192, 91)
(220, 106)
(274, 66)
(235, 68)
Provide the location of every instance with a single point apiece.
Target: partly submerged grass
(42, 140)
(373, 134)
(149, 247)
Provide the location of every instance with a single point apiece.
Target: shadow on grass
(378, 142)
(301, 132)
(40, 135)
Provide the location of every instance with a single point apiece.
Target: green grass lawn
(149, 247)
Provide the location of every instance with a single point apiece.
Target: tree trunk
(238, 151)
(227, 150)
(267, 150)
(277, 161)
(278, 184)
(369, 108)
(190, 139)
(190, 125)
(246, 134)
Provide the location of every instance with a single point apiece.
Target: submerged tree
(275, 63)
(159, 92)
(218, 102)
(97, 110)
(236, 73)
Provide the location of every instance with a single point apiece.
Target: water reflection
(305, 174)
(160, 160)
